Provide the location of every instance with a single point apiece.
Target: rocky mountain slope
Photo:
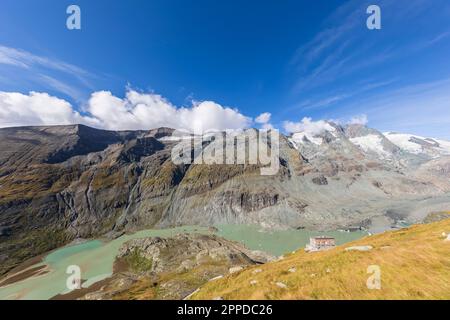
(411, 263)
(65, 182)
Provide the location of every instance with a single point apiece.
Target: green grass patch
(137, 262)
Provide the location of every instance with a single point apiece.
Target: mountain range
(62, 183)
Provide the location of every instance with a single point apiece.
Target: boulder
(235, 269)
(359, 248)
(281, 285)
(321, 181)
(215, 278)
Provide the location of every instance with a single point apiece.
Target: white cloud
(104, 110)
(308, 126)
(263, 118)
(18, 109)
(145, 111)
(361, 119)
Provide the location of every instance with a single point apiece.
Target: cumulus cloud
(145, 111)
(18, 109)
(263, 118)
(104, 110)
(307, 125)
(361, 119)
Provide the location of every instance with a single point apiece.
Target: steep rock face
(63, 182)
(140, 147)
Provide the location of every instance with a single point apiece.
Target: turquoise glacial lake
(280, 241)
(96, 257)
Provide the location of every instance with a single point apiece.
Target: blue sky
(292, 59)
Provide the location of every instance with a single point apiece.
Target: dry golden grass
(38, 181)
(414, 263)
(143, 289)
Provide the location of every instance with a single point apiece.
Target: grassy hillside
(414, 264)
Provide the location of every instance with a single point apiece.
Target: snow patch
(411, 143)
(371, 143)
(299, 138)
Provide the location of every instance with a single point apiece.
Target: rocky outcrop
(186, 251)
(173, 268)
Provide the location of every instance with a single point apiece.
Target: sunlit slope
(414, 264)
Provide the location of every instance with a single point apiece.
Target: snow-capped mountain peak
(371, 141)
(302, 137)
(396, 148)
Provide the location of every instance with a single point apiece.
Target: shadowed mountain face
(65, 182)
